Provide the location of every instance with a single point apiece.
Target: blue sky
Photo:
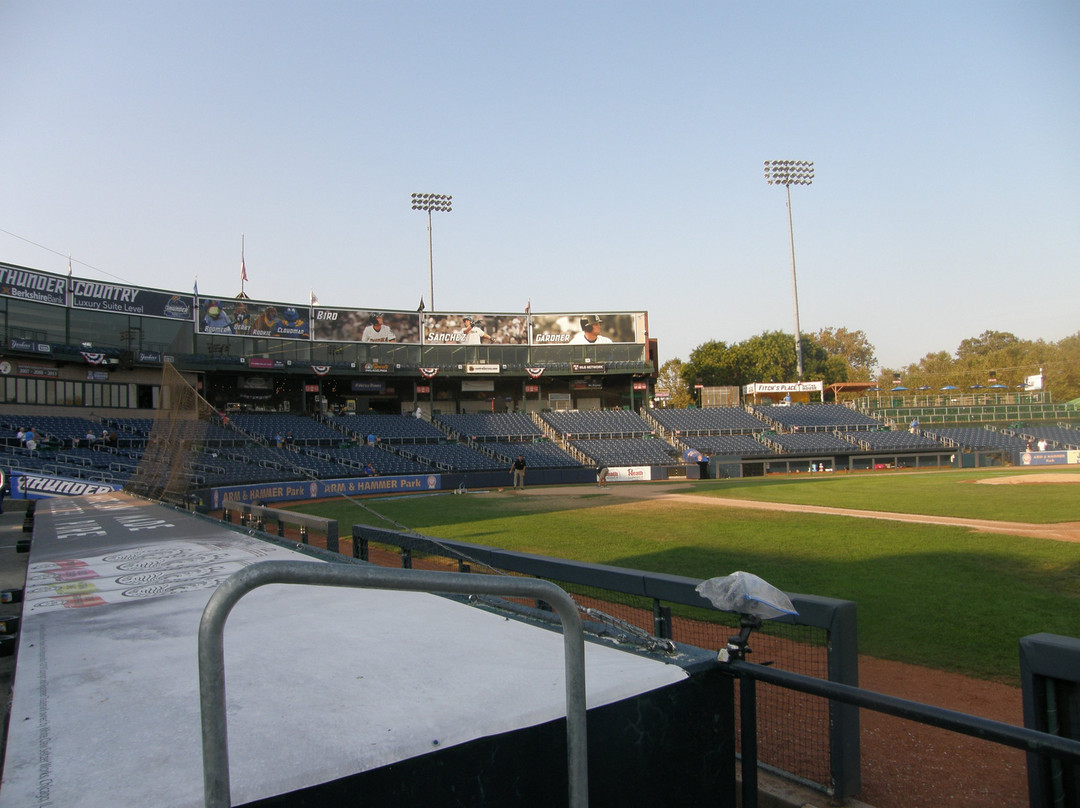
(601, 155)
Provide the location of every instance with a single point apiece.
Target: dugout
(334, 695)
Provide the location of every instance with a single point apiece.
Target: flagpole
(243, 266)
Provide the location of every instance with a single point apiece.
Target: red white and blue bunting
(534, 373)
(320, 370)
(429, 373)
(93, 358)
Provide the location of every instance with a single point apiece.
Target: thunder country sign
(28, 485)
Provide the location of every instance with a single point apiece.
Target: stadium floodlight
(788, 173)
(440, 203)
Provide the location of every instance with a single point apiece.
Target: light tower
(788, 173)
(429, 203)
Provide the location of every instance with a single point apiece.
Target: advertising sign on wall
(26, 284)
(121, 299)
(28, 485)
(363, 325)
(587, 329)
(476, 329)
(251, 318)
(320, 489)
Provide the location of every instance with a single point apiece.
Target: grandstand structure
(307, 398)
(203, 449)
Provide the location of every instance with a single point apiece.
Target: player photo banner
(25, 284)
(476, 329)
(587, 329)
(250, 318)
(364, 325)
(113, 297)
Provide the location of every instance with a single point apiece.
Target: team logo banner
(587, 329)
(25, 485)
(121, 299)
(25, 284)
(476, 329)
(250, 318)
(363, 325)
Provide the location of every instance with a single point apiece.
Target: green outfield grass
(943, 597)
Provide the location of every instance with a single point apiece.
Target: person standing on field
(518, 470)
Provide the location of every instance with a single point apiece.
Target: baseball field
(949, 568)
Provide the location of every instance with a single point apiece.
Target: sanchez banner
(476, 329)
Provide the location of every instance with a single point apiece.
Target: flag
(314, 298)
(243, 269)
(196, 287)
(528, 308)
(421, 308)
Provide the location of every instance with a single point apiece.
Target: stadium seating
(896, 441)
(489, 426)
(389, 428)
(598, 424)
(810, 443)
(627, 451)
(816, 417)
(976, 438)
(1057, 437)
(382, 461)
(305, 431)
(61, 427)
(536, 455)
(741, 445)
(708, 421)
(449, 456)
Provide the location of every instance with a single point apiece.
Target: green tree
(670, 378)
(988, 342)
(768, 357)
(851, 346)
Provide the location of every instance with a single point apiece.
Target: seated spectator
(21, 435)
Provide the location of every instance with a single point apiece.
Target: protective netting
(181, 423)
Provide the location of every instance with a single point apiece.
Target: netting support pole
(661, 621)
(359, 548)
(748, 736)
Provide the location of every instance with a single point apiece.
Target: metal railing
(257, 515)
(1028, 740)
(215, 742)
(836, 618)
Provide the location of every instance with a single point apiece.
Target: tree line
(839, 355)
